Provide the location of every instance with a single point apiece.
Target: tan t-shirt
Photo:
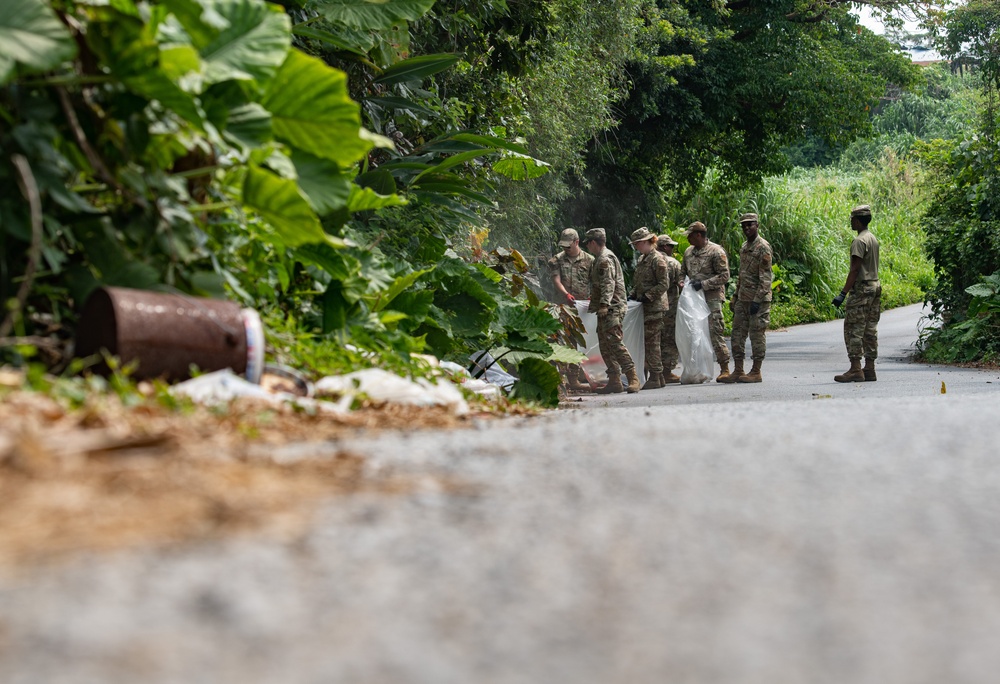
(865, 246)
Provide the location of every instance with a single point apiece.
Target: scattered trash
(223, 386)
(11, 378)
(382, 386)
(822, 396)
(277, 378)
(167, 334)
(944, 390)
(494, 373)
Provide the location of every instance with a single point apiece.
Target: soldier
(649, 286)
(706, 264)
(864, 303)
(751, 302)
(668, 342)
(570, 273)
(607, 300)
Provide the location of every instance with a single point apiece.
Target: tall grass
(804, 215)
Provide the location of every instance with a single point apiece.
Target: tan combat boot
(614, 385)
(573, 380)
(669, 378)
(870, 370)
(853, 374)
(754, 374)
(633, 381)
(724, 373)
(655, 381)
(736, 375)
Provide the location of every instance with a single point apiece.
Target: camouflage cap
(595, 234)
(641, 235)
(696, 227)
(666, 240)
(568, 237)
(861, 210)
(747, 218)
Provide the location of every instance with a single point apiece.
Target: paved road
(762, 535)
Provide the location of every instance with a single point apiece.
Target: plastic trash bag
(694, 341)
(633, 336)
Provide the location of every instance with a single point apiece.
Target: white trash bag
(694, 341)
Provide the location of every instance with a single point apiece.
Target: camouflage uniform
(573, 272)
(864, 302)
(711, 266)
(752, 285)
(668, 341)
(607, 289)
(650, 285)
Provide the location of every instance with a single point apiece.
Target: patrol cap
(696, 227)
(747, 218)
(641, 235)
(595, 234)
(568, 237)
(666, 240)
(861, 210)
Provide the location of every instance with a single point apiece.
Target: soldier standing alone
(864, 300)
(751, 303)
(668, 340)
(706, 264)
(649, 286)
(607, 300)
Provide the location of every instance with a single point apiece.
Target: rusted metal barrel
(168, 333)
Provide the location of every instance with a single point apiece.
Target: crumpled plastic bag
(494, 372)
(694, 340)
(222, 386)
(382, 386)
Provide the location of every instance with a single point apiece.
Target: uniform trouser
(755, 326)
(573, 371)
(668, 341)
(717, 328)
(862, 313)
(652, 325)
(613, 351)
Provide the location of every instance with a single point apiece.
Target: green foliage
(804, 216)
(538, 382)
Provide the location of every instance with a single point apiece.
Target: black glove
(644, 298)
(839, 299)
(696, 284)
(754, 308)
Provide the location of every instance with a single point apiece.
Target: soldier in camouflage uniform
(570, 274)
(668, 342)
(864, 300)
(607, 300)
(649, 286)
(751, 303)
(707, 265)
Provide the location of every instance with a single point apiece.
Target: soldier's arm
(720, 265)
(606, 280)
(764, 274)
(853, 275)
(662, 275)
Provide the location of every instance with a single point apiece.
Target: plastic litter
(382, 386)
(495, 374)
(694, 341)
(223, 386)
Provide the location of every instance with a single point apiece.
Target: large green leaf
(249, 125)
(416, 68)
(538, 381)
(313, 111)
(280, 203)
(325, 186)
(252, 47)
(521, 167)
(32, 35)
(365, 199)
(401, 103)
(333, 39)
(399, 285)
(371, 14)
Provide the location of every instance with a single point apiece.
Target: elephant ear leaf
(32, 35)
(538, 381)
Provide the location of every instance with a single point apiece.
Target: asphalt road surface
(795, 531)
